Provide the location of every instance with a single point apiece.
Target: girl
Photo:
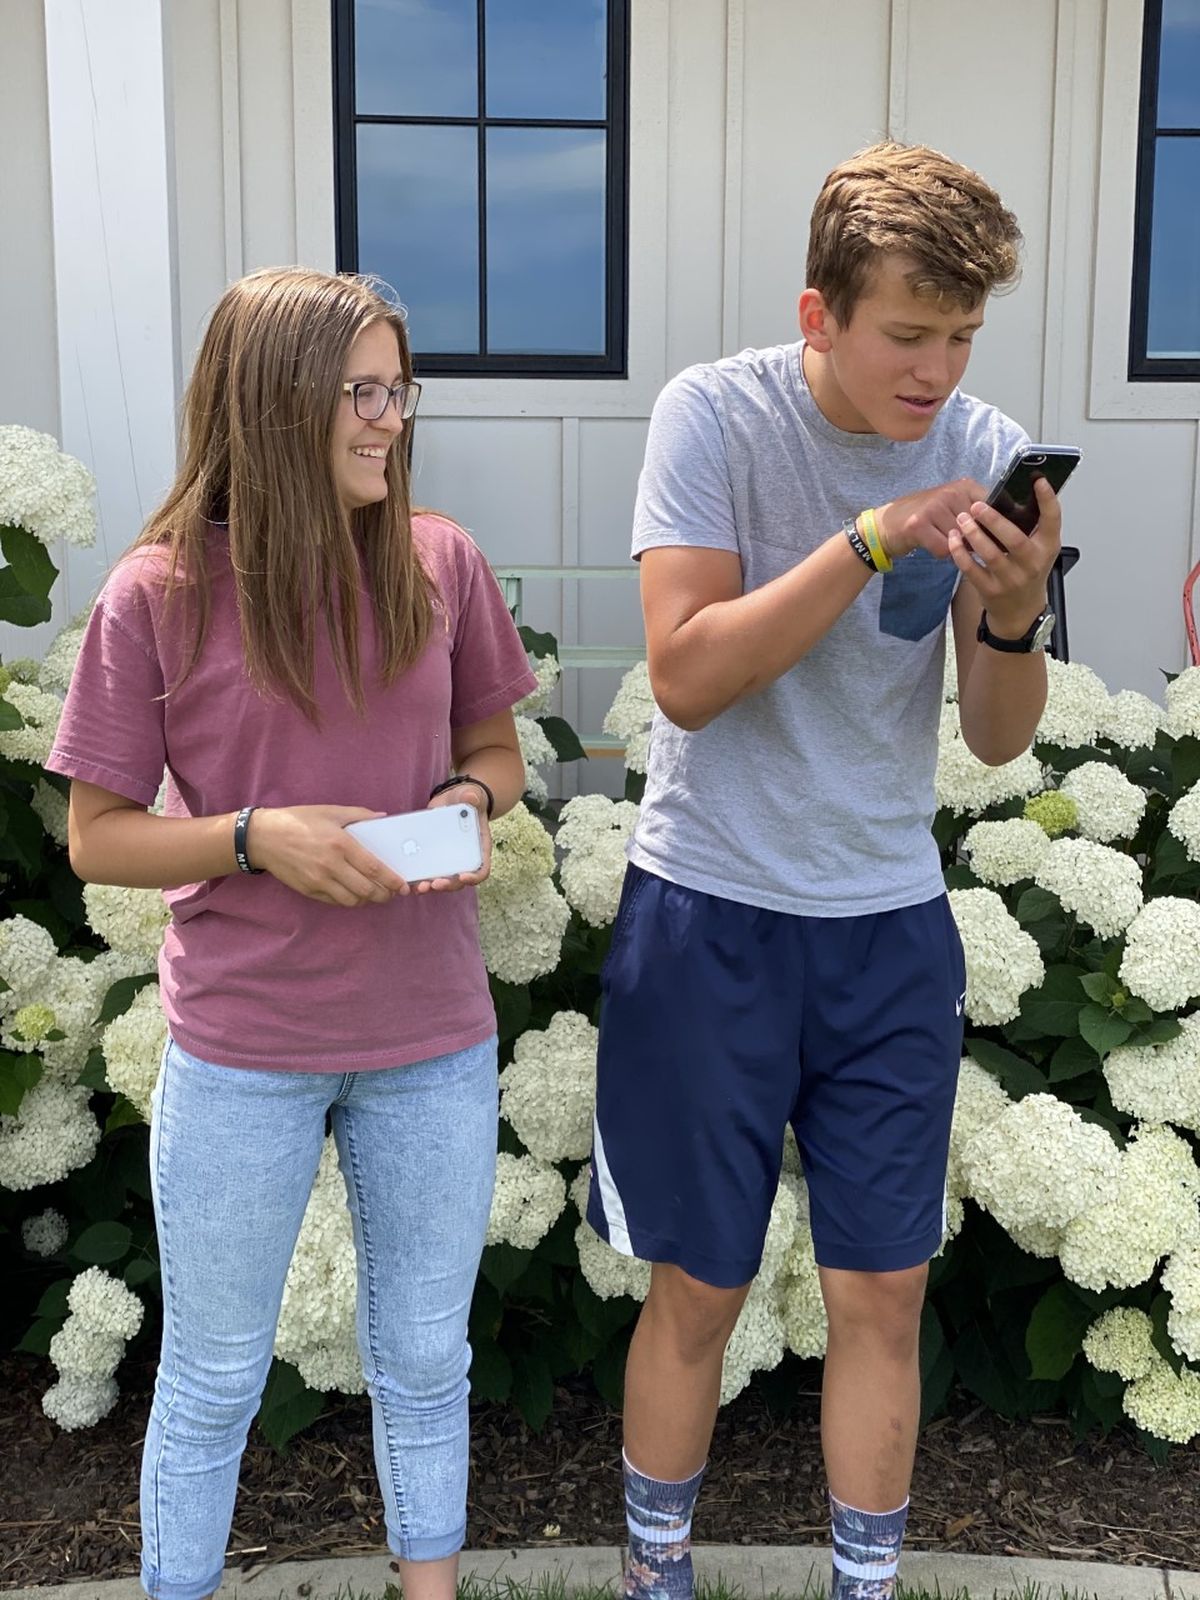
(302, 652)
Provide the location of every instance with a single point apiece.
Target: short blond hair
(907, 199)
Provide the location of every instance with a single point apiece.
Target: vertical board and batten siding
(739, 107)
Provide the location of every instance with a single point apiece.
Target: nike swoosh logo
(959, 1003)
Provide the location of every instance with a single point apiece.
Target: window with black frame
(1165, 320)
(481, 171)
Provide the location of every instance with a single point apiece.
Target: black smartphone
(1013, 496)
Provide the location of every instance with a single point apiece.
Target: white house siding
(739, 109)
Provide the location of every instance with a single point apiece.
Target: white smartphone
(439, 843)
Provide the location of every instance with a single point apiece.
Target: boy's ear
(816, 320)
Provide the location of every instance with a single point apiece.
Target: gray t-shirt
(815, 795)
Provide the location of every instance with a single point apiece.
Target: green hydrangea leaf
(1054, 1336)
(1103, 1030)
(28, 559)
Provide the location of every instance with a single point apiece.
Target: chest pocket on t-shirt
(916, 596)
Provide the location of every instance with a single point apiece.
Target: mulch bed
(69, 1501)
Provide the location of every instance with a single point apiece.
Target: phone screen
(1014, 497)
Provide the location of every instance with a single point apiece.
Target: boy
(784, 952)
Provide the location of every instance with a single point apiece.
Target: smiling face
(893, 365)
(361, 449)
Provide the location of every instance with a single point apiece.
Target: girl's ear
(815, 320)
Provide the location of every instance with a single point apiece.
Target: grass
(555, 1588)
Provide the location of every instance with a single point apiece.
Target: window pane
(1174, 320)
(545, 233)
(1179, 65)
(416, 58)
(546, 58)
(418, 227)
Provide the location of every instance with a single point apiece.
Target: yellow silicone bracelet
(879, 555)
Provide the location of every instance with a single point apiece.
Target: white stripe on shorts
(610, 1197)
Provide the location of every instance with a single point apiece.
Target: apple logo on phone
(411, 847)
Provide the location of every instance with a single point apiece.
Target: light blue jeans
(233, 1154)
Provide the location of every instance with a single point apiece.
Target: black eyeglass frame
(398, 394)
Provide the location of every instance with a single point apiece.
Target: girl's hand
(308, 849)
(463, 880)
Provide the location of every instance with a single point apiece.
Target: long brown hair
(257, 455)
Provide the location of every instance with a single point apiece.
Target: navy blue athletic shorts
(722, 1023)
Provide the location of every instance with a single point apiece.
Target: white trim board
(1111, 393)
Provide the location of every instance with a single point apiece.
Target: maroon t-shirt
(254, 974)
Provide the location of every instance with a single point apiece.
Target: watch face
(1042, 631)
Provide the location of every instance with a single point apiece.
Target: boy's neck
(827, 393)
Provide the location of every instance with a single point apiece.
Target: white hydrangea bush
(1074, 873)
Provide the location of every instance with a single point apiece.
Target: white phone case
(425, 844)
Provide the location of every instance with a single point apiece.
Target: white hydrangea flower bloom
(1037, 1166)
(529, 1197)
(536, 751)
(1120, 1243)
(44, 1234)
(130, 920)
(1161, 964)
(1183, 820)
(630, 715)
(77, 1402)
(1183, 705)
(1121, 1341)
(1159, 1082)
(133, 1046)
(966, 785)
(593, 834)
(51, 808)
(522, 916)
(43, 489)
(608, 1272)
(52, 1134)
(74, 990)
(1077, 705)
(104, 1304)
(1181, 1280)
(789, 1210)
(1005, 852)
(548, 671)
(1100, 885)
(521, 932)
(27, 953)
(1132, 721)
(58, 663)
(79, 1351)
(40, 713)
(1003, 961)
(28, 1027)
(757, 1342)
(1164, 1404)
(316, 1320)
(801, 1303)
(548, 1090)
(1109, 806)
(978, 1101)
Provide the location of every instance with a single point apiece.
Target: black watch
(1035, 637)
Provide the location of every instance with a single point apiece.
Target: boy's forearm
(735, 648)
(1001, 703)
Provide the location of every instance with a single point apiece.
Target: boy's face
(894, 364)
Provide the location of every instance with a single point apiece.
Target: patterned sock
(659, 1516)
(866, 1551)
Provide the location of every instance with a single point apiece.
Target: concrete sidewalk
(757, 1570)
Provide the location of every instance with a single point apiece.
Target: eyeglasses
(371, 399)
